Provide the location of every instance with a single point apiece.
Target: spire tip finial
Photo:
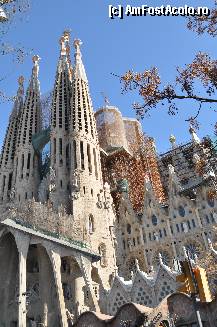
(64, 42)
(193, 133)
(36, 59)
(77, 44)
(35, 69)
(66, 34)
(172, 140)
(21, 80)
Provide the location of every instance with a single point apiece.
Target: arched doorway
(9, 288)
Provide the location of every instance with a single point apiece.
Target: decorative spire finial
(172, 140)
(66, 35)
(21, 80)
(77, 45)
(106, 99)
(65, 50)
(79, 67)
(194, 136)
(63, 46)
(64, 43)
(35, 69)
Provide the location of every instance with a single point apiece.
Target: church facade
(102, 219)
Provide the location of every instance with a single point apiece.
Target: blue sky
(111, 46)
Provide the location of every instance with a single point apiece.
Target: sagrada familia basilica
(91, 234)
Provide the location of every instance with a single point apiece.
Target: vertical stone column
(85, 266)
(22, 241)
(78, 294)
(45, 283)
(56, 263)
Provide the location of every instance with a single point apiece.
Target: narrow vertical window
(89, 158)
(193, 223)
(150, 238)
(67, 156)
(28, 160)
(82, 154)
(60, 146)
(15, 175)
(75, 154)
(10, 181)
(22, 165)
(95, 163)
(3, 185)
(91, 224)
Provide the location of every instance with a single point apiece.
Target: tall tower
(9, 147)
(60, 117)
(26, 163)
(83, 134)
(91, 200)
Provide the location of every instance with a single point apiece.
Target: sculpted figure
(12, 194)
(52, 185)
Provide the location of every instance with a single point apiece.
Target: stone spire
(83, 135)
(60, 118)
(62, 87)
(9, 147)
(30, 122)
(81, 107)
(26, 166)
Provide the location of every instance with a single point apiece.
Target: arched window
(181, 211)
(128, 228)
(102, 252)
(91, 224)
(210, 200)
(154, 220)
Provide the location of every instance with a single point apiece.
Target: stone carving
(61, 211)
(108, 198)
(75, 194)
(70, 316)
(42, 191)
(12, 194)
(171, 169)
(99, 201)
(129, 242)
(52, 186)
(76, 180)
